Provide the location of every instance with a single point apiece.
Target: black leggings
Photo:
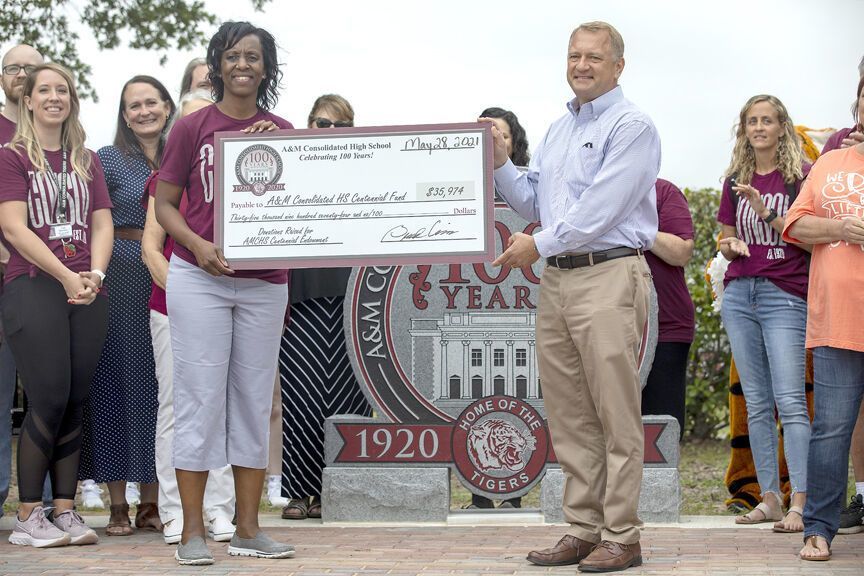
(666, 388)
(57, 346)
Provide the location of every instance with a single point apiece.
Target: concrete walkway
(467, 544)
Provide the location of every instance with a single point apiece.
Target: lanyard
(60, 204)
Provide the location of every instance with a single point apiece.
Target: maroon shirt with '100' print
(21, 181)
(187, 162)
(770, 257)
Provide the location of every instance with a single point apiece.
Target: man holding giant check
(591, 185)
(354, 196)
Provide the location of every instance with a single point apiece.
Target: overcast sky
(689, 65)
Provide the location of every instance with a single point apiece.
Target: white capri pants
(219, 494)
(225, 336)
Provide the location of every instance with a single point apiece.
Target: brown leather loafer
(569, 550)
(611, 556)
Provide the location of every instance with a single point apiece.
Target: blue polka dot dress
(120, 416)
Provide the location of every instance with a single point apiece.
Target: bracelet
(100, 274)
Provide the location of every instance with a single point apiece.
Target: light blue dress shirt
(591, 181)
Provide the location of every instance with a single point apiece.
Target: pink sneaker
(72, 523)
(38, 531)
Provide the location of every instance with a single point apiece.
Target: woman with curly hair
(765, 301)
(514, 135)
(516, 142)
(225, 325)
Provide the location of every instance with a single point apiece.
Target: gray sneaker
(193, 553)
(38, 531)
(262, 546)
(71, 523)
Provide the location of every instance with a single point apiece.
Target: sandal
(118, 522)
(147, 517)
(296, 509)
(764, 510)
(314, 510)
(813, 542)
(781, 525)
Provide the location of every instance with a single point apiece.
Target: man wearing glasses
(17, 63)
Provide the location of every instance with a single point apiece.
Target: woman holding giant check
(225, 325)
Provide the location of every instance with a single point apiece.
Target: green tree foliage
(708, 369)
(53, 27)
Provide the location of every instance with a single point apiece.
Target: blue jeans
(7, 391)
(8, 380)
(838, 389)
(766, 327)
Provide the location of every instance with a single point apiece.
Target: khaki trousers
(590, 323)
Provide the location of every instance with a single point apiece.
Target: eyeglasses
(14, 69)
(327, 123)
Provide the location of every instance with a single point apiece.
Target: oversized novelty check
(355, 196)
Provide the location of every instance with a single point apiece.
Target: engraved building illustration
(469, 355)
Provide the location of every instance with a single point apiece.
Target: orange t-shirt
(835, 304)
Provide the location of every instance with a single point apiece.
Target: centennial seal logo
(500, 445)
(258, 168)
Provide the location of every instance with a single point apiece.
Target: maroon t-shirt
(22, 182)
(7, 130)
(676, 314)
(188, 162)
(157, 294)
(770, 257)
(836, 139)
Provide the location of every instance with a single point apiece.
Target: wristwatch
(771, 216)
(100, 274)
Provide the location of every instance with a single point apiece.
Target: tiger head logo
(496, 444)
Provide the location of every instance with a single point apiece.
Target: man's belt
(570, 261)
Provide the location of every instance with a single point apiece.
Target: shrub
(708, 367)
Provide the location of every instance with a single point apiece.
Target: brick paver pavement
(434, 550)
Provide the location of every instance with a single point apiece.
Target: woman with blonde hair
(55, 214)
(196, 78)
(765, 301)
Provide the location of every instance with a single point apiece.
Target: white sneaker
(38, 531)
(172, 530)
(72, 523)
(91, 495)
(274, 492)
(133, 496)
(221, 529)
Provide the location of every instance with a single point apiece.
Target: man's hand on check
(498, 146)
(521, 251)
